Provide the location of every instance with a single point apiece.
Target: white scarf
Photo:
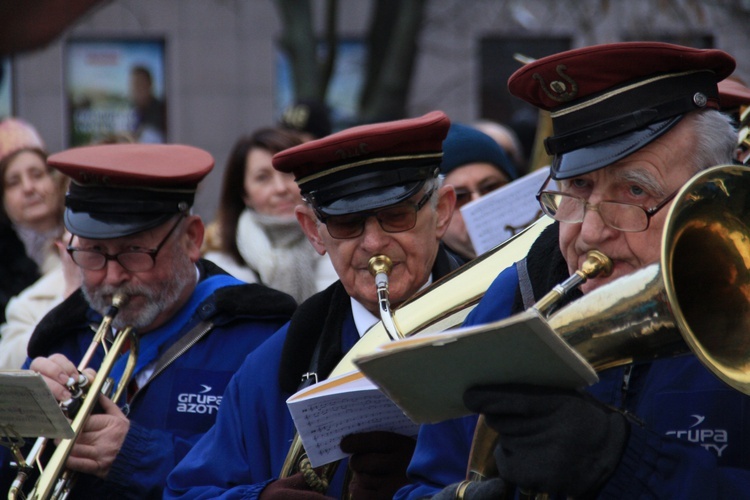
(279, 252)
(40, 246)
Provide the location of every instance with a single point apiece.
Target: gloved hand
(379, 460)
(551, 440)
(290, 488)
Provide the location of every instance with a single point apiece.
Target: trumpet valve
(76, 387)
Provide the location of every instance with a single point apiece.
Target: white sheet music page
(327, 411)
(28, 408)
(496, 216)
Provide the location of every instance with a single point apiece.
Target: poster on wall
(6, 88)
(115, 91)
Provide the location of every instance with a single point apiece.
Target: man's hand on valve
(103, 433)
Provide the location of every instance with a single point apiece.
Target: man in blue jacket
(128, 209)
(632, 123)
(370, 190)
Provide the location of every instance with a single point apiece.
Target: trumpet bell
(697, 298)
(706, 255)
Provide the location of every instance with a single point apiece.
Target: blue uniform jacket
(691, 443)
(170, 413)
(247, 447)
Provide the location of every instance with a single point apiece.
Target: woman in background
(31, 209)
(256, 236)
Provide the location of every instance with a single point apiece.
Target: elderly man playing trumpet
(128, 209)
(370, 190)
(633, 122)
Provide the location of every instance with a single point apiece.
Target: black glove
(551, 440)
(290, 488)
(379, 461)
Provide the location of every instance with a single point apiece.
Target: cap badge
(345, 153)
(700, 99)
(560, 92)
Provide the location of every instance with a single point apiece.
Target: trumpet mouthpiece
(597, 264)
(380, 264)
(119, 299)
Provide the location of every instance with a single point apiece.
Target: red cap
(123, 189)
(368, 166)
(147, 165)
(620, 94)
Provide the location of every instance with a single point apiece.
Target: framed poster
(6, 88)
(115, 90)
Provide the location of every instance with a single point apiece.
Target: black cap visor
(109, 226)
(601, 154)
(370, 200)
(98, 212)
(379, 186)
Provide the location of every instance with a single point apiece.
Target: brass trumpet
(55, 481)
(694, 299)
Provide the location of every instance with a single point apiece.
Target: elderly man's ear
(194, 232)
(309, 224)
(446, 206)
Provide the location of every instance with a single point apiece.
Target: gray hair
(434, 183)
(715, 138)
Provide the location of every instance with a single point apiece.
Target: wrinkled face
(412, 252)
(471, 182)
(268, 191)
(155, 295)
(644, 178)
(31, 196)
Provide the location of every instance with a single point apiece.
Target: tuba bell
(695, 299)
(55, 480)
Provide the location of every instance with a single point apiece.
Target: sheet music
(28, 408)
(326, 412)
(498, 215)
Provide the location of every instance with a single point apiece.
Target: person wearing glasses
(474, 164)
(128, 210)
(633, 122)
(368, 190)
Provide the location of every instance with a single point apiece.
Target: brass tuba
(55, 481)
(696, 298)
(442, 305)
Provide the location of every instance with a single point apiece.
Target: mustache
(104, 294)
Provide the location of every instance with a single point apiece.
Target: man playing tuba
(632, 123)
(129, 211)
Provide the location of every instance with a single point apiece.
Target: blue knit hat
(465, 145)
